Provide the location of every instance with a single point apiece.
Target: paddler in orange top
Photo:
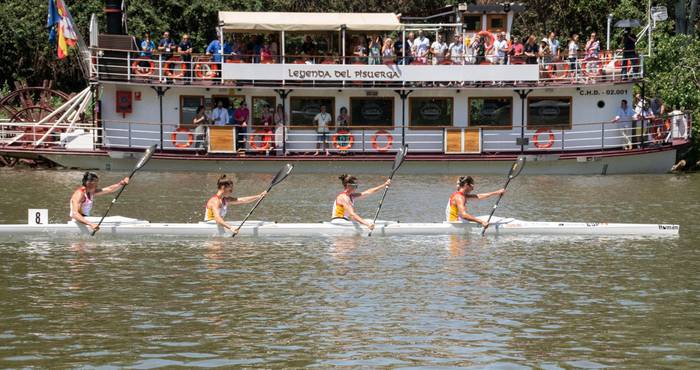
(217, 205)
(344, 205)
(456, 210)
(82, 199)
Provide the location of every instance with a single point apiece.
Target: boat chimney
(114, 15)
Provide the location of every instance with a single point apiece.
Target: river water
(437, 301)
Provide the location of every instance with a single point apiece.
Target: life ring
(558, 70)
(491, 37)
(265, 137)
(389, 141)
(338, 142)
(140, 70)
(206, 70)
(550, 139)
(190, 138)
(591, 67)
(178, 70)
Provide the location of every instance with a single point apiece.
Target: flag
(51, 21)
(67, 37)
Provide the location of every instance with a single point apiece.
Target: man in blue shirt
(147, 46)
(214, 49)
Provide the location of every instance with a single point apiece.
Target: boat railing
(672, 129)
(338, 71)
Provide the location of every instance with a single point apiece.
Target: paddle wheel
(27, 104)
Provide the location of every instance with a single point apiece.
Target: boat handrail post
(160, 67)
(562, 138)
(129, 128)
(128, 66)
(602, 136)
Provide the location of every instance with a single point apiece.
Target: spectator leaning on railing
(625, 116)
(147, 45)
(322, 120)
(184, 48)
(166, 46)
(573, 53)
(501, 48)
(438, 50)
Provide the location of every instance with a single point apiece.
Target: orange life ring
(178, 70)
(348, 142)
(592, 72)
(190, 138)
(206, 70)
(491, 37)
(141, 71)
(558, 70)
(389, 141)
(266, 139)
(550, 139)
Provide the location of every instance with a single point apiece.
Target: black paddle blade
(517, 167)
(146, 156)
(400, 156)
(282, 174)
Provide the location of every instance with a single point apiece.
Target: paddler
(82, 199)
(217, 205)
(344, 206)
(456, 210)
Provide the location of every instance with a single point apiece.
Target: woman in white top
(82, 199)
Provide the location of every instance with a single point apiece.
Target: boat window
(372, 111)
(305, 108)
(472, 23)
(491, 112)
(496, 22)
(188, 108)
(549, 112)
(260, 115)
(430, 112)
(230, 102)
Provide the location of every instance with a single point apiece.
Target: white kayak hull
(126, 226)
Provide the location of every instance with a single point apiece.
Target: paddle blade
(282, 174)
(146, 156)
(400, 156)
(517, 167)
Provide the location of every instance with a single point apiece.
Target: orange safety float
(265, 138)
(178, 144)
(591, 67)
(550, 139)
(389, 140)
(178, 68)
(557, 70)
(206, 70)
(140, 70)
(490, 36)
(337, 139)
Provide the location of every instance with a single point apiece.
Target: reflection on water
(436, 301)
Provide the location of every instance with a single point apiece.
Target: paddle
(515, 169)
(281, 175)
(142, 162)
(398, 161)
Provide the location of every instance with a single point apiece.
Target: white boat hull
(131, 227)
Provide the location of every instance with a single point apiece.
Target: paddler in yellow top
(344, 205)
(456, 210)
(217, 205)
(82, 199)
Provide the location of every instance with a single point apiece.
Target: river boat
(457, 115)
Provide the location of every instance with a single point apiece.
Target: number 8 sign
(37, 216)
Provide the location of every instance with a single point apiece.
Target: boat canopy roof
(299, 21)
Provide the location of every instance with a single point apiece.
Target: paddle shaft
(381, 202)
(251, 212)
(493, 210)
(113, 201)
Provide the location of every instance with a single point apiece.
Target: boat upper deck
(360, 50)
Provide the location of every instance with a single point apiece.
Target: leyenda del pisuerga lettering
(338, 74)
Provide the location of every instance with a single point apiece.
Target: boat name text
(341, 74)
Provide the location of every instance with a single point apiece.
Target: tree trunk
(691, 17)
(681, 17)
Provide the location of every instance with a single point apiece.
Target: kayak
(123, 226)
